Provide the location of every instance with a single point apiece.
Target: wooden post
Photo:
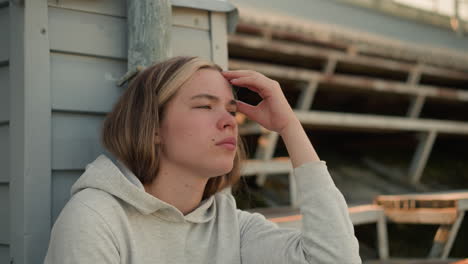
(30, 132)
(418, 100)
(421, 156)
(219, 51)
(382, 237)
(452, 235)
(149, 34)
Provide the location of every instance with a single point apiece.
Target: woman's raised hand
(273, 112)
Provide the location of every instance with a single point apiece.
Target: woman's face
(198, 130)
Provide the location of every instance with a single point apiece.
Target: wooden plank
(219, 49)
(365, 214)
(265, 151)
(85, 84)
(4, 215)
(61, 185)
(417, 102)
(4, 94)
(70, 31)
(4, 254)
(30, 131)
(422, 216)
(185, 17)
(282, 47)
(275, 166)
(191, 18)
(416, 105)
(302, 30)
(452, 235)
(307, 95)
(415, 261)
(5, 33)
(4, 153)
(330, 66)
(348, 82)
(459, 195)
(346, 121)
(199, 40)
(103, 7)
(440, 240)
(421, 156)
(375, 122)
(75, 140)
(443, 72)
(462, 204)
(382, 237)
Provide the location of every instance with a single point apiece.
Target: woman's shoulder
(92, 205)
(95, 199)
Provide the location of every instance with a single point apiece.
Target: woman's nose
(227, 120)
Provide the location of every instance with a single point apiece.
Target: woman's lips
(228, 143)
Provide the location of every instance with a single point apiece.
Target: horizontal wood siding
(92, 34)
(181, 16)
(61, 184)
(87, 33)
(193, 42)
(85, 84)
(4, 154)
(4, 254)
(88, 56)
(75, 140)
(105, 7)
(4, 215)
(4, 94)
(4, 35)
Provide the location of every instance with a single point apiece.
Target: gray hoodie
(111, 219)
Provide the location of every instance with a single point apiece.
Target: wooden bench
(363, 214)
(444, 209)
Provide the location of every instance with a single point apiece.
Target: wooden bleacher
(288, 217)
(311, 58)
(444, 209)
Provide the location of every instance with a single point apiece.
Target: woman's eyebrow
(211, 98)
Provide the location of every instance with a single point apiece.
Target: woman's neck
(178, 187)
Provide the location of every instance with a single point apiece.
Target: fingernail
(233, 80)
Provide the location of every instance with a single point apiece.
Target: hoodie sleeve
(80, 235)
(327, 234)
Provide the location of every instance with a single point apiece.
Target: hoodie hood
(118, 181)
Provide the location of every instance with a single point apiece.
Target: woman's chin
(221, 170)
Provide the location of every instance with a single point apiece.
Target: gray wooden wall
(4, 135)
(86, 59)
(87, 44)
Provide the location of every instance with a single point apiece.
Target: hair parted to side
(130, 129)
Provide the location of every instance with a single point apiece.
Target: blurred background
(381, 87)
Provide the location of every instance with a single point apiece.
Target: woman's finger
(245, 108)
(236, 74)
(254, 83)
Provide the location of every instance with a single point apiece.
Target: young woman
(175, 138)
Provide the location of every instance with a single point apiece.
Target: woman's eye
(204, 107)
(233, 113)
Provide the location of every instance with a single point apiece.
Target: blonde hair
(130, 128)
